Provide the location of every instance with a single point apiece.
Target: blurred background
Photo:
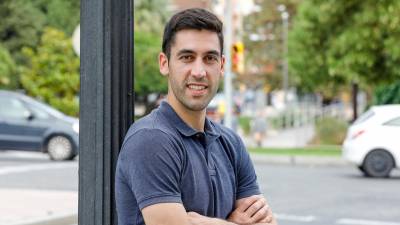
(311, 80)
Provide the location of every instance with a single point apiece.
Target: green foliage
(387, 94)
(60, 14)
(22, 22)
(7, 70)
(150, 17)
(20, 25)
(330, 131)
(147, 74)
(52, 73)
(264, 56)
(336, 42)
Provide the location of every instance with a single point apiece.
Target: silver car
(30, 125)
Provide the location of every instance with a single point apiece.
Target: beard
(193, 103)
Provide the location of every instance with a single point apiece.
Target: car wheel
(60, 148)
(378, 163)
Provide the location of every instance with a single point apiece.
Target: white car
(373, 141)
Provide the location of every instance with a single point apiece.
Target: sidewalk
(298, 160)
(289, 138)
(38, 207)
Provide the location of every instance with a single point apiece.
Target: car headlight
(75, 127)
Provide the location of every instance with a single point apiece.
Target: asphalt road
(329, 195)
(24, 170)
(319, 195)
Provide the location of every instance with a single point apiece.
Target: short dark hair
(194, 18)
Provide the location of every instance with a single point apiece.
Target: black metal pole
(106, 103)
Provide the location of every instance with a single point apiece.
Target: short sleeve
(151, 165)
(246, 175)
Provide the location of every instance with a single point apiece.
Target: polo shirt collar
(167, 110)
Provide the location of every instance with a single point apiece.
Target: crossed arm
(253, 210)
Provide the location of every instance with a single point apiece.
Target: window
(12, 108)
(38, 112)
(364, 117)
(393, 122)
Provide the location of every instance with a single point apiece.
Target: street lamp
(285, 28)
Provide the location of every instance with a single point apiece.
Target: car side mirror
(29, 115)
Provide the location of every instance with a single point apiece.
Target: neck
(194, 119)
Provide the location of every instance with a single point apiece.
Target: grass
(322, 150)
(244, 123)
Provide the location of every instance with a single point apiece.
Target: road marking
(364, 222)
(23, 154)
(34, 167)
(288, 217)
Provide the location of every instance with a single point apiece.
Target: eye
(186, 58)
(211, 59)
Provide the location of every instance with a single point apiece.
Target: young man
(176, 166)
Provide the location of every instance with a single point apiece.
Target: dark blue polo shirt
(163, 160)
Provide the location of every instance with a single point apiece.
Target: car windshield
(364, 117)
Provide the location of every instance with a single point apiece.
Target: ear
(163, 64)
(222, 65)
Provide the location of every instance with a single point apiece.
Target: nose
(198, 70)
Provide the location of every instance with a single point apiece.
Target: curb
(299, 160)
(67, 219)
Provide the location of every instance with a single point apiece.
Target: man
(176, 166)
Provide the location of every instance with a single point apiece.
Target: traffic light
(238, 57)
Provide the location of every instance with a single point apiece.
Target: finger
(269, 218)
(260, 203)
(261, 214)
(244, 204)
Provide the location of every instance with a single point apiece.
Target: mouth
(197, 89)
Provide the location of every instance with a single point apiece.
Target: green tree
(7, 70)
(147, 75)
(20, 25)
(387, 94)
(61, 14)
(334, 43)
(22, 22)
(150, 17)
(263, 39)
(52, 73)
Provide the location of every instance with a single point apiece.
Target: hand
(252, 210)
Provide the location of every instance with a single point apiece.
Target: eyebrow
(213, 52)
(188, 51)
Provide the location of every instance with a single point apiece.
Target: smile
(197, 87)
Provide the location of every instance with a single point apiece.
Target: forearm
(225, 222)
(197, 219)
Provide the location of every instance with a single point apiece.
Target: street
(330, 195)
(320, 195)
(24, 170)
(34, 189)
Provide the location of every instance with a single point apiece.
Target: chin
(196, 106)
